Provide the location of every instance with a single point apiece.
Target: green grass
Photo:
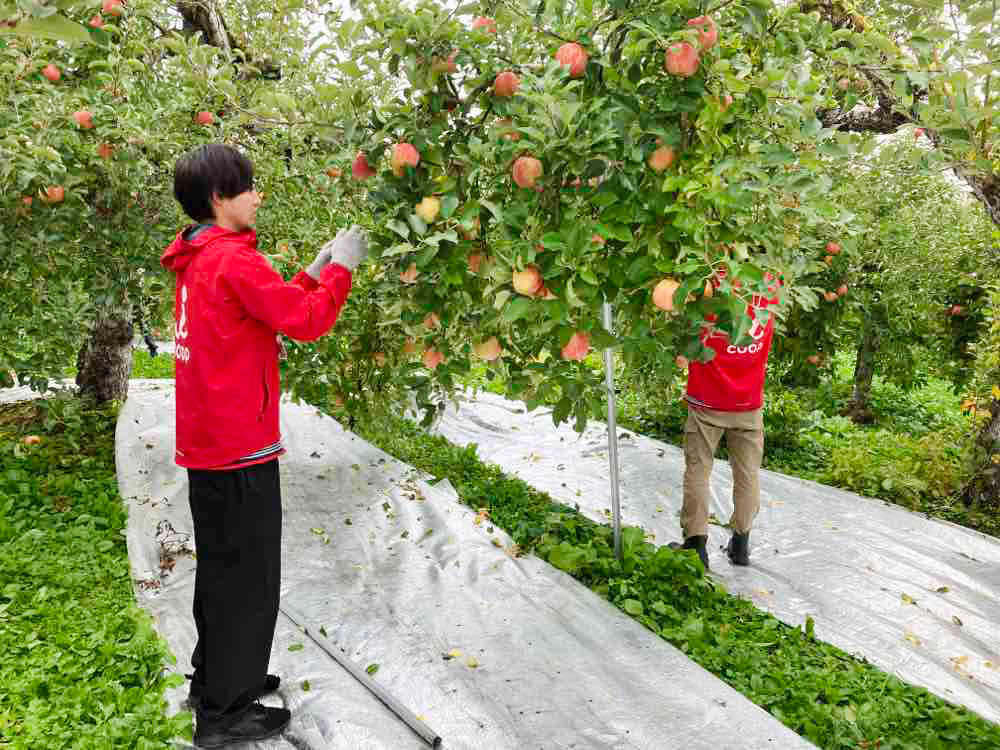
(835, 700)
(144, 366)
(81, 664)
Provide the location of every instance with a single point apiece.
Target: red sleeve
(302, 309)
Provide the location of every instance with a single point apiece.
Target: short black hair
(214, 169)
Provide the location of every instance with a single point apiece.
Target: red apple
(956, 310)
(663, 293)
(506, 83)
(84, 119)
(53, 194)
(726, 102)
(96, 22)
(403, 155)
(360, 169)
(661, 158)
(681, 361)
(832, 248)
(571, 55)
(31, 440)
(487, 350)
(475, 262)
(410, 347)
(409, 276)
(486, 24)
(918, 132)
(204, 118)
(842, 290)
(711, 317)
(598, 240)
(843, 84)
(545, 293)
(112, 7)
(681, 60)
(333, 172)
(51, 72)
(432, 321)
(26, 201)
(578, 347)
(708, 34)
(527, 282)
(526, 170)
(828, 260)
(105, 150)
(830, 296)
(432, 358)
(813, 359)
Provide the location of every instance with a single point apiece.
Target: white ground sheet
(399, 574)
(918, 597)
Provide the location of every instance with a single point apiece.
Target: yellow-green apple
(428, 209)
(528, 281)
(403, 155)
(506, 83)
(663, 293)
(526, 170)
(487, 350)
(681, 59)
(577, 347)
(571, 55)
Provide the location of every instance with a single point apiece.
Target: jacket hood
(182, 251)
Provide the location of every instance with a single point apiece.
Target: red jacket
(229, 305)
(734, 379)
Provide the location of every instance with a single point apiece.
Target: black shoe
(270, 685)
(739, 549)
(697, 543)
(256, 723)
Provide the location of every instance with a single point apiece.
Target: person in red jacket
(725, 396)
(230, 306)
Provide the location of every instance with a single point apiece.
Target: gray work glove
(348, 248)
(323, 257)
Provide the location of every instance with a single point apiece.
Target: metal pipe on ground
(427, 734)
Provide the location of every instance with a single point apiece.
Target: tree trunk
(105, 359)
(984, 487)
(864, 370)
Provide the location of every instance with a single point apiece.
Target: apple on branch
(527, 282)
(428, 209)
(487, 350)
(577, 348)
(52, 72)
(403, 155)
(506, 83)
(84, 119)
(526, 171)
(360, 169)
(682, 60)
(663, 293)
(571, 55)
(708, 33)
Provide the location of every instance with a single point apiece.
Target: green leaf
(448, 205)
(398, 227)
(517, 309)
(56, 27)
(632, 607)
(371, 669)
(492, 208)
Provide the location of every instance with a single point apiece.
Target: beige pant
(744, 432)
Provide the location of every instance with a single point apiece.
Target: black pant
(237, 530)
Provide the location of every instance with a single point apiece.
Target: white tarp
(920, 598)
(399, 574)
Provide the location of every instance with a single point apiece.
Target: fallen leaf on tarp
(453, 654)
(942, 589)
(907, 599)
(305, 685)
(471, 662)
(912, 639)
(954, 619)
(371, 668)
(296, 647)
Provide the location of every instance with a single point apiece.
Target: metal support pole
(609, 382)
(426, 733)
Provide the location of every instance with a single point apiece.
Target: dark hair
(207, 171)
